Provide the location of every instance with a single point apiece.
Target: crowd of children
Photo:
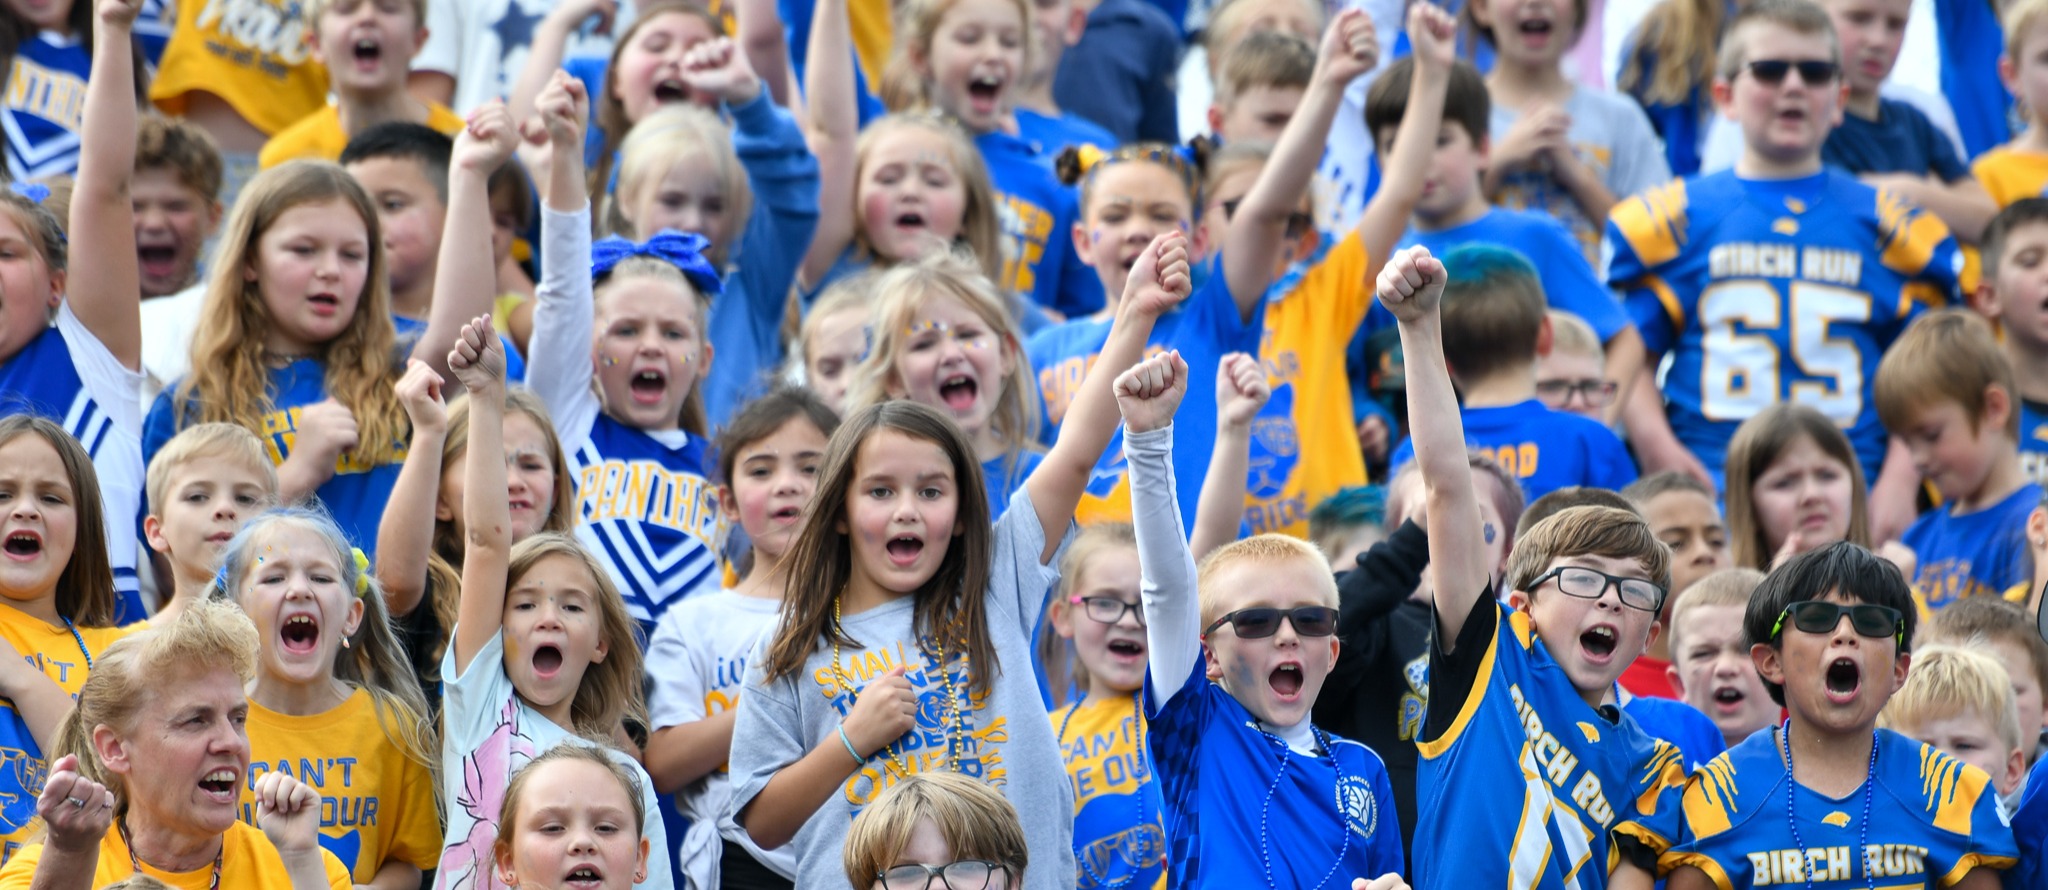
(1002, 444)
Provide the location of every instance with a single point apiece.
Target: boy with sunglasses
(1779, 280)
(1543, 784)
(1827, 799)
(1255, 795)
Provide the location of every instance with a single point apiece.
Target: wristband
(849, 746)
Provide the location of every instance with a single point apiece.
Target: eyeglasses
(1821, 616)
(1591, 584)
(1596, 393)
(1264, 621)
(1109, 610)
(967, 874)
(1814, 72)
(1298, 224)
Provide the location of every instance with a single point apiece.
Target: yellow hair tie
(1089, 156)
(362, 572)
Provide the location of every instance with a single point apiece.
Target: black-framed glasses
(1109, 609)
(966, 874)
(1298, 224)
(1814, 72)
(1596, 393)
(1821, 616)
(1264, 621)
(1591, 584)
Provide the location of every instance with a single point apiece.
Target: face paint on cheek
(1488, 532)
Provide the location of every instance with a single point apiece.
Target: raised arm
(405, 538)
(1432, 32)
(558, 366)
(760, 35)
(1157, 283)
(478, 361)
(1258, 228)
(1412, 287)
(105, 285)
(549, 44)
(1241, 390)
(831, 123)
(1148, 394)
(464, 281)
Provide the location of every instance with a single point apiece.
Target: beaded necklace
(955, 716)
(1265, 838)
(1862, 827)
(76, 637)
(1137, 720)
(135, 863)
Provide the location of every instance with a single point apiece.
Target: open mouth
(1127, 648)
(157, 261)
(1843, 678)
(648, 387)
(984, 90)
(325, 304)
(520, 504)
(368, 53)
(1286, 680)
(668, 91)
(300, 634)
(220, 784)
(790, 513)
(910, 220)
(904, 549)
(1598, 642)
(1535, 26)
(584, 876)
(23, 544)
(547, 662)
(959, 392)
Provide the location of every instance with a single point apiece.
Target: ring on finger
(78, 802)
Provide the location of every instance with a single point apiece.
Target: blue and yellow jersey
(1770, 291)
(1933, 820)
(1305, 440)
(1244, 810)
(1535, 785)
(2034, 442)
(2030, 831)
(1983, 553)
(1037, 214)
(1119, 814)
(1544, 449)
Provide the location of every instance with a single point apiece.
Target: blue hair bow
(682, 250)
(36, 192)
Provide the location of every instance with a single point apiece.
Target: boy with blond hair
(1946, 390)
(2005, 631)
(368, 48)
(2019, 169)
(1571, 376)
(1519, 685)
(1710, 667)
(204, 485)
(1961, 702)
(1238, 652)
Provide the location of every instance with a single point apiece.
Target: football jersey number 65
(1740, 373)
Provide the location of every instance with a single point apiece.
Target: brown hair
(1757, 444)
(951, 607)
(1571, 496)
(230, 381)
(1492, 311)
(1270, 59)
(85, 589)
(1948, 355)
(1508, 499)
(1642, 491)
(916, 26)
(975, 820)
(758, 420)
(1798, 16)
(610, 111)
(1587, 531)
(1988, 619)
(182, 147)
(1466, 102)
(1077, 168)
(1679, 36)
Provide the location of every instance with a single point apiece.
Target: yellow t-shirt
(1305, 441)
(376, 804)
(22, 765)
(254, 54)
(2009, 174)
(319, 135)
(247, 862)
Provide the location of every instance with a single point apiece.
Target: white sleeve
(558, 355)
(111, 384)
(1167, 568)
(442, 53)
(675, 680)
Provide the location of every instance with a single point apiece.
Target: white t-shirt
(168, 324)
(483, 44)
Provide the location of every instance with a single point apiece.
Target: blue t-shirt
(1976, 554)
(1050, 135)
(357, 492)
(1932, 820)
(2034, 441)
(1900, 140)
(1970, 38)
(2030, 831)
(1244, 810)
(1545, 449)
(409, 331)
(1205, 328)
(1001, 476)
(45, 105)
(1038, 214)
(1763, 291)
(1680, 724)
(1568, 281)
(1120, 75)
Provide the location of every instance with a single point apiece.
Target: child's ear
(640, 861)
(1081, 240)
(214, 210)
(1061, 616)
(1984, 299)
(728, 505)
(2015, 769)
(443, 511)
(1216, 119)
(153, 533)
(1724, 97)
(2037, 529)
(1768, 663)
(710, 352)
(1077, 23)
(1519, 600)
(1673, 677)
(1841, 104)
(57, 280)
(1650, 639)
(2009, 75)
(1900, 666)
(1546, 339)
(1211, 666)
(1997, 407)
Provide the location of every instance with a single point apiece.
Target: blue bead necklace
(1343, 823)
(1862, 827)
(75, 636)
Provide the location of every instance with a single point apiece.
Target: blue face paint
(1488, 532)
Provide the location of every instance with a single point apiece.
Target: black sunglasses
(1297, 223)
(1814, 72)
(1821, 616)
(1264, 621)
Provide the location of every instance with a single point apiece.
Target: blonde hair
(1757, 444)
(1798, 16)
(317, 8)
(607, 110)
(210, 634)
(916, 26)
(851, 293)
(1269, 59)
(1949, 680)
(975, 821)
(1680, 36)
(900, 294)
(1063, 670)
(1948, 355)
(1727, 587)
(1981, 620)
(138, 881)
(1266, 549)
(1571, 335)
(230, 380)
(1227, 22)
(611, 689)
(2021, 16)
(564, 752)
(693, 419)
(656, 145)
(213, 443)
(1587, 531)
(981, 229)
